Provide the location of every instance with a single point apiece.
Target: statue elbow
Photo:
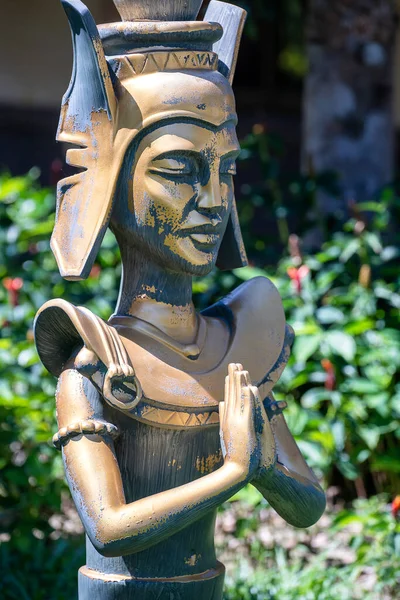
(311, 510)
(298, 504)
(104, 541)
(108, 549)
(111, 541)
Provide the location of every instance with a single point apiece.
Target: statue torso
(172, 436)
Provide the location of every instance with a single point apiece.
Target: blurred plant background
(342, 385)
(332, 251)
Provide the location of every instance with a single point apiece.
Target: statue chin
(173, 253)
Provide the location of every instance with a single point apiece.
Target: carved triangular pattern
(138, 62)
(173, 62)
(160, 60)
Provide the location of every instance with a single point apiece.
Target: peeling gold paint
(193, 560)
(207, 464)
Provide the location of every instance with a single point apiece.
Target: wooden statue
(159, 421)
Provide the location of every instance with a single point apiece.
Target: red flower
(13, 286)
(330, 381)
(296, 275)
(95, 272)
(396, 508)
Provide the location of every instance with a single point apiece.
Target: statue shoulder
(62, 329)
(257, 296)
(72, 335)
(256, 315)
(261, 304)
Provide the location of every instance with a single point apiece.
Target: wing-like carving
(86, 120)
(232, 19)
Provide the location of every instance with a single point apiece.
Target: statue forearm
(116, 528)
(287, 483)
(295, 498)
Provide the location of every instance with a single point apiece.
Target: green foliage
(46, 570)
(31, 473)
(287, 17)
(373, 575)
(359, 558)
(342, 383)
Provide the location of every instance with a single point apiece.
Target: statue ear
(87, 120)
(232, 253)
(232, 19)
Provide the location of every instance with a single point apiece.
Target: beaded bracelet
(89, 427)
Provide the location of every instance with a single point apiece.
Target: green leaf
(351, 249)
(370, 435)
(358, 327)
(373, 241)
(385, 462)
(329, 314)
(305, 346)
(342, 344)
(312, 451)
(314, 396)
(247, 273)
(360, 385)
(377, 207)
(349, 470)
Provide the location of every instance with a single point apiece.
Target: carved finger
(259, 412)
(221, 415)
(225, 403)
(232, 370)
(238, 403)
(247, 377)
(246, 401)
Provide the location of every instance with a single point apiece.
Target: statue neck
(162, 298)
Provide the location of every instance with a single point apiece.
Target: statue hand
(264, 433)
(267, 438)
(238, 414)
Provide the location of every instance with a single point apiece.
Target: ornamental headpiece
(158, 64)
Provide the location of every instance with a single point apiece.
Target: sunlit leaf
(342, 344)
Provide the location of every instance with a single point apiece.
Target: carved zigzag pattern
(151, 62)
(178, 419)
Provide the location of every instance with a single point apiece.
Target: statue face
(180, 195)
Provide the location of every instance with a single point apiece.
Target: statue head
(151, 106)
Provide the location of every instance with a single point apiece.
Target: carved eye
(228, 167)
(175, 166)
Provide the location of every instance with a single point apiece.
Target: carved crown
(160, 10)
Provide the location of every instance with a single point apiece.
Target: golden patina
(159, 419)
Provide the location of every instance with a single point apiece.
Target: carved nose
(210, 195)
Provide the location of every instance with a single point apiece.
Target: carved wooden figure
(159, 421)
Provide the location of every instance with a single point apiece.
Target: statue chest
(153, 459)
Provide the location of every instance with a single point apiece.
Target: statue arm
(115, 527)
(286, 481)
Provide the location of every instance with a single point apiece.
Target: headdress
(154, 65)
